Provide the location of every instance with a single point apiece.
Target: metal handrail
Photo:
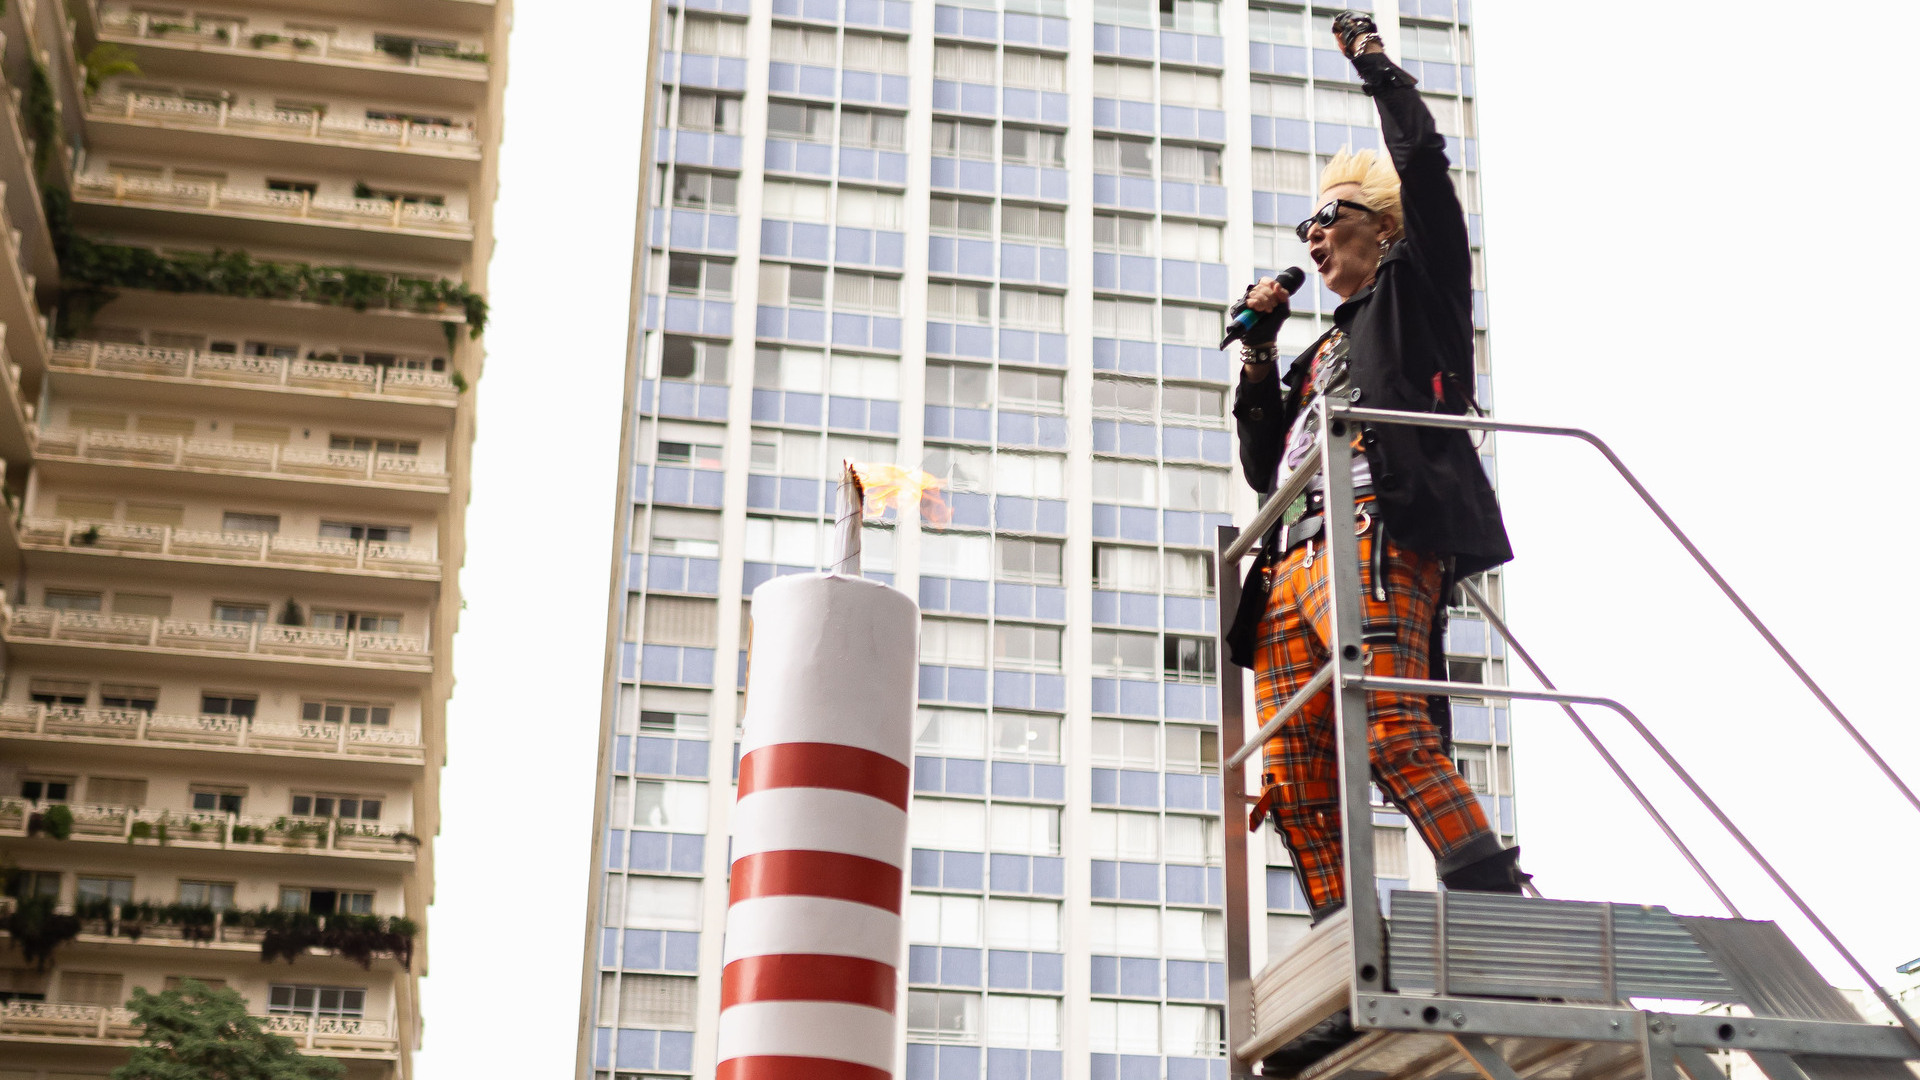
(1294, 704)
(1291, 488)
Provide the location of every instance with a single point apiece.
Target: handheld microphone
(1290, 280)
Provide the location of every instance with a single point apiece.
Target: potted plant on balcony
(55, 821)
(291, 615)
(37, 930)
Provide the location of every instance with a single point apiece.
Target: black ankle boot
(1497, 873)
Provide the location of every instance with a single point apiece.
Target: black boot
(1497, 873)
(1317, 1042)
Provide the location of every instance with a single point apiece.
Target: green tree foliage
(198, 1033)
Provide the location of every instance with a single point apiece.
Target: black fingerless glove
(1262, 333)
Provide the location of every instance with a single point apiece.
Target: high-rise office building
(241, 289)
(993, 242)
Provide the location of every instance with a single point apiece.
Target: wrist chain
(1360, 45)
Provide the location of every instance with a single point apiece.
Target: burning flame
(904, 489)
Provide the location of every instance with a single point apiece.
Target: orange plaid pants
(1301, 759)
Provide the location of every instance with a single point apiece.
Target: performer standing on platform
(1390, 240)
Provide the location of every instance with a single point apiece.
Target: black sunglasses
(1326, 216)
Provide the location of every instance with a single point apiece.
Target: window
(1190, 839)
(1190, 240)
(1336, 106)
(1034, 476)
(293, 187)
(1126, 931)
(1189, 573)
(872, 130)
(1433, 43)
(943, 1016)
(1033, 224)
(1130, 319)
(1195, 489)
(705, 191)
(866, 292)
(803, 45)
(1124, 1027)
(961, 385)
(663, 903)
(862, 208)
(1033, 310)
(116, 791)
(1025, 830)
(132, 698)
(1280, 26)
(693, 359)
(1195, 88)
(949, 824)
(93, 988)
(327, 805)
(367, 622)
(943, 920)
(1026, 146)
(56, 693)
(1033, 71)
(1125, 157)
(322, 901)
(697, 276)
(950, 732)
(794, 543)
(707, 112)
(955, 555)
(214, 894)
(670, 806)
(32, 884)
(1189, 659)
(792, 200)
(1126, 744)
(681, 620)
(1029, 561)
(1195, 935)
(1019, 737)
(859, 451)
(967, 63)
(1193, 164)
(778, 368)
(370, 444)
(1390, 852)
(317, 1001)
(807, 123)
(1196, 403)
(1023, 1021)
(953, 641)
(1112, 79)
(792, 286)
(1193, 1030)
(219, 800)
(1129, 482)
(1117, 652)
(1466, 185)
(963, 138)
(1024, 924)
(1117, 232)
(118, 890)
(963, 470)
(713, 37)
(1118, 834)
(865, 376)
(788, 453)
(959, 217)
(1472, 766)
(685, 533)
(1450, 115)
(126, 603)
(680, 724)
(959, 302)
(871, 52)
(235, 521)
(649, 1001)
(1275, 246)
(72, 600)
(1124, 12)
(1190, 16)
(1125, 569)
(1017, 645)
(357, 713)
(1283, 99)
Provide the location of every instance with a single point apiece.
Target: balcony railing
(121, 447)
(312, 124)
(232, 638)
(233, 37)
(238, 732)
(262, 549)
(96, 1023)
(202, 830)
(292, 205)
(231, 368)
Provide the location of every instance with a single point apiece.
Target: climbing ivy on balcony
(92, 272)
(37, 930)
(41, 116)
(284, 935)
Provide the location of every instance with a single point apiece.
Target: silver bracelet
(1259, 354)
(1360, 45)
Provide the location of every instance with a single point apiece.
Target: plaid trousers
(1301, 759)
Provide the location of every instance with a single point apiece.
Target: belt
(1313, 522)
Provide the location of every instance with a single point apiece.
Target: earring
(1384, 245)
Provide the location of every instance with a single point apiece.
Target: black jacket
(1410, 334)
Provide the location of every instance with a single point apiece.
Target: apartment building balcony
(22, 192)
(64, 1024)
(181, 832)
(169, 125)
(227, 551)
(171, 460)
(19, 310)
(32, 629)
(225, 50)
(226, 213)
(149, 731)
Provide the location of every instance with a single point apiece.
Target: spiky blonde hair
(1379, 183)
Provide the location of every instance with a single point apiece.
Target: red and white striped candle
(814, 944)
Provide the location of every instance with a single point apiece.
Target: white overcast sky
(1700, 232)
